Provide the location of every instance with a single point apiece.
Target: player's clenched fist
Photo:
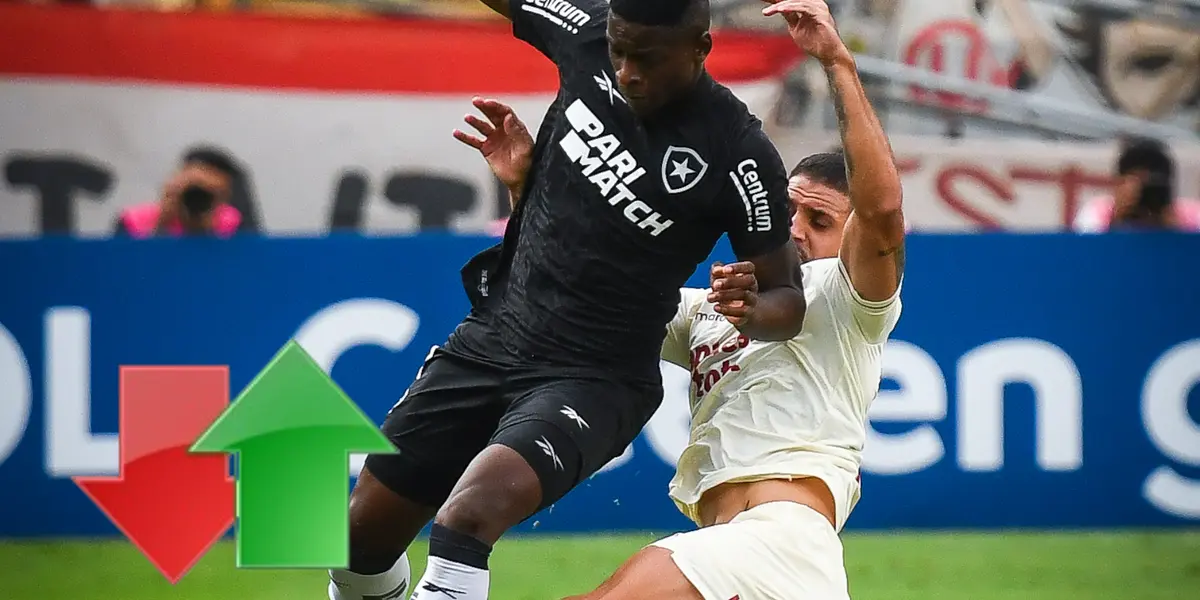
(734, 291)
(811, 27)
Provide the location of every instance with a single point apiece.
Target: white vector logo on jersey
(611, 168)
(560, 12)
(754, 195)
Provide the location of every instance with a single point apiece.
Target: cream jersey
(769, 410)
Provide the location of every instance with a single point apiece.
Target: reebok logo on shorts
(548, 450)
(574, 416)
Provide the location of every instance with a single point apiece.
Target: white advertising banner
(382, 164)
(339, 124)
(356, 137)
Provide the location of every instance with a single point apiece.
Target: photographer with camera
(195, 201)
(1144, 195)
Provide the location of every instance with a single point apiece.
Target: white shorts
(774, 551)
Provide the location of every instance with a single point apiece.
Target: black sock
(458, 547)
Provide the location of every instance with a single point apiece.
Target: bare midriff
(722, 503)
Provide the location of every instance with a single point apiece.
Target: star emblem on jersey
(682, 169)
(548, 450)
(606, 86)
(574, 416)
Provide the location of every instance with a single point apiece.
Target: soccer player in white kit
(770, 473)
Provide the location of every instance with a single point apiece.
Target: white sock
(389, 585)
(447, 580)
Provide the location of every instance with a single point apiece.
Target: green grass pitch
(1159, 565)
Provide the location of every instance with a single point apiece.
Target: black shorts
(565, 427)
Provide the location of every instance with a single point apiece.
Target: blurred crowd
(1079, 71)
(201, 198)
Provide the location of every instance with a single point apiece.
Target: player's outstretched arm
(506, 145)
(873, 244)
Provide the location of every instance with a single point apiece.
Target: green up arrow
(293, 429)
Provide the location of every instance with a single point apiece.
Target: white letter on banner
(1058, 403)
(337, 328)
(921, 397)
(71, 448)
(16, 384)
(1172, 430)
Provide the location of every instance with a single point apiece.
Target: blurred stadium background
(1038, 435)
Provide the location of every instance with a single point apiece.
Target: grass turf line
(1153, 565)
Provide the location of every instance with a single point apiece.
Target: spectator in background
(195, 200)
(1144, 195)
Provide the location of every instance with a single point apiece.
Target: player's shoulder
(741, 136)
(727, 118)
(581, 21)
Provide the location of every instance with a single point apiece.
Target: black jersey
(619, 212)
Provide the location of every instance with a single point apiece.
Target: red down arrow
(171, 504)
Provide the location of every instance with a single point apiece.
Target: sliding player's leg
(651, 573)
(774, 550)
(442, 423)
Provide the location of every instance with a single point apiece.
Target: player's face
(819, 215)
(654, 65)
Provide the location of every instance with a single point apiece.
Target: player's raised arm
(759, 216)
(873, 245)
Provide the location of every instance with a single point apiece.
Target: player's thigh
(774, 551)
(444, 420)
(568, 428)
(651, 573)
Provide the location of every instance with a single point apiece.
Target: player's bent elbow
(887, 220)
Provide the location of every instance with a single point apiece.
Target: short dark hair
(671, 13)
(827, 168)
(1145, 154)
(214, 158)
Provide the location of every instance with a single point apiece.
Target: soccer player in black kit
(641, 164)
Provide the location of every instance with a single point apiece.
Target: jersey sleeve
(677, 346)
(554, 26)
(754, 198)
(873, 320)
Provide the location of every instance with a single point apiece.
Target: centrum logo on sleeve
(754, 195)
(609, 166)
(560, 12)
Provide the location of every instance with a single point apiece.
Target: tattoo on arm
(899, 260)
(839, 107)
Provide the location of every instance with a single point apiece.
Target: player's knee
(496, 492)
